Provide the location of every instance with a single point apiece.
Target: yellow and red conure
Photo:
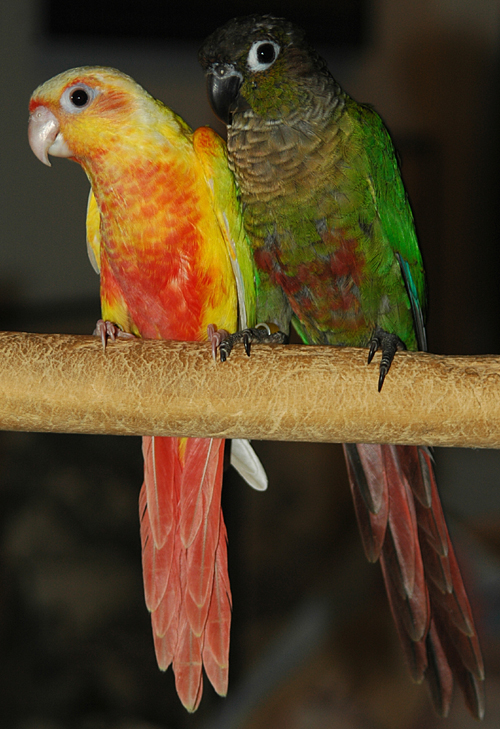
(164, 231)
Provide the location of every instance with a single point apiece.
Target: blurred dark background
(312, 641)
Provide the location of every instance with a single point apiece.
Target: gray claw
(389, 344)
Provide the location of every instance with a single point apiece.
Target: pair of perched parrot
(313, 230)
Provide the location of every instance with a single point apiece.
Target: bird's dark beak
(223, 85)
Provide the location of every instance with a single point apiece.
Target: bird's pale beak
(45, 136)
(223, 85)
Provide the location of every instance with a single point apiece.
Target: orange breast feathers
(165, 269)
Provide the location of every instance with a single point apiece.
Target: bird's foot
(261, 334)
(216, 337)
(110, 332)
(389, 344)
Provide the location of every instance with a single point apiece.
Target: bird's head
(258, 62)
(79, 113)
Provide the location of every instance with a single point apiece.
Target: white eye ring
(262, 55)
(77, 98)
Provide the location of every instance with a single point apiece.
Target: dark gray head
(258, 61)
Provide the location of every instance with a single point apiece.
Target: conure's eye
(266, 53)
(77, 98)
(262, 55)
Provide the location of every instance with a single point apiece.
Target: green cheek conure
(337, 255)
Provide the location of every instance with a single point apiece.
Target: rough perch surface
(65, 383)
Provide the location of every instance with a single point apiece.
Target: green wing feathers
(395, 223)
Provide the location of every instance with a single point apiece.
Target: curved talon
(211, 332)
(389, 344)
(374, 345)
(267, 327)
(224, 342)
(225, 349)
(107, 330)
(381, 378)
(217, 337)
(247, 344)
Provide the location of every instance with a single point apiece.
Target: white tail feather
(246, 462)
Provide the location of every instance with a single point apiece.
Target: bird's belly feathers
(323, 291)
(167, 277)
(165, 268)
(303, 228)
(167, 296)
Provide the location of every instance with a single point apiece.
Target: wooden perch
(63, 383)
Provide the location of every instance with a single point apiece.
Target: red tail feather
(439, 676)
(402, 524)
(372, 525)
(160, 457)
(184, 556)
(215, 652)
(410, 608)
(187, 663)
(201, 461)
(424, 585)
(200, 557)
